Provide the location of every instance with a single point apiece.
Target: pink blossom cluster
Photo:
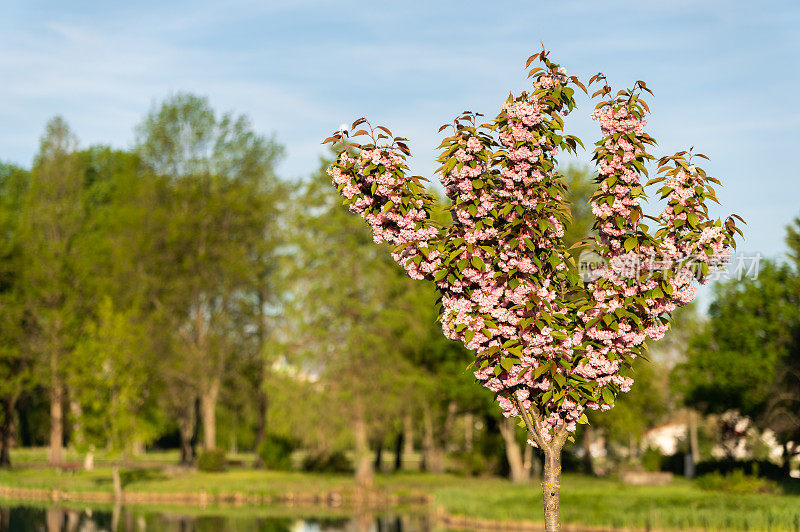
(376, 188)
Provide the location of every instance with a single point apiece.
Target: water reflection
(119, 519)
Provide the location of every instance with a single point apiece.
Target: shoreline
(357, 501)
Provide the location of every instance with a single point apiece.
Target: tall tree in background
(222, 184)
(346, 328)
(16, 363)
(53, 217)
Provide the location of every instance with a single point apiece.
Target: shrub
(212, 460)
(470, 464)
(756, 468)
(276, 452)
(327, 462)
(736, 482)
(652, 460)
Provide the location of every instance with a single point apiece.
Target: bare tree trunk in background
(398, 452)
(531, 463)
(208, 409)
(431, 455)
(408, 434)
(56, 454)
(261, 434)
(469, 425)
(263, 399)
(186, 422)
(517, 472)
(693, 439)
(379, 454)
(6, 429)
(363, 462)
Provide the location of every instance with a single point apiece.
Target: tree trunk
(5, 519)
(363, 460)
(6, 429)
(431, 456)
(408, 434)
(551, 487)
(208, 407)
(398, 452)
(516, 465)
(263, 399)
(468, 431)
(261, 434)
(186, 429)
(693, 439)
(531, 463)
(379, 455)
(56, 455)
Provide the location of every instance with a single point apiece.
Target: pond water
(22, 518)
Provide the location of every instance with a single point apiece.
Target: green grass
(606, 502)
(588, 501)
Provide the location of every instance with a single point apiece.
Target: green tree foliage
(347, 331)
(52, 218)
(221, 201)
(16, 363)
(747, 357)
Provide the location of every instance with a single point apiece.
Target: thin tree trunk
(363, 462)
(693, 438)
(6, 429)
(517, 472)
(551, 487)
(528, 462)
(379, 455)
(431, 456)
(263, 398)
(408, 434)
(551, 481)
(398, 452)
(56, 455)
(261, 433)
(186, 429)
(468, 431)
(516, 465)
(208, 407)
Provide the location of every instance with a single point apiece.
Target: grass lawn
(584, 500)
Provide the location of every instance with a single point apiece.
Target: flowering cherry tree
(548, 341)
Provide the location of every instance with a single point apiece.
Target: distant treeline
(180, 294)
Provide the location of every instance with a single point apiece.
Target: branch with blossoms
(547, 343)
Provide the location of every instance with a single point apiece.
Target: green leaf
(608, 397)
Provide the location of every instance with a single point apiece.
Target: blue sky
(724, 73)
